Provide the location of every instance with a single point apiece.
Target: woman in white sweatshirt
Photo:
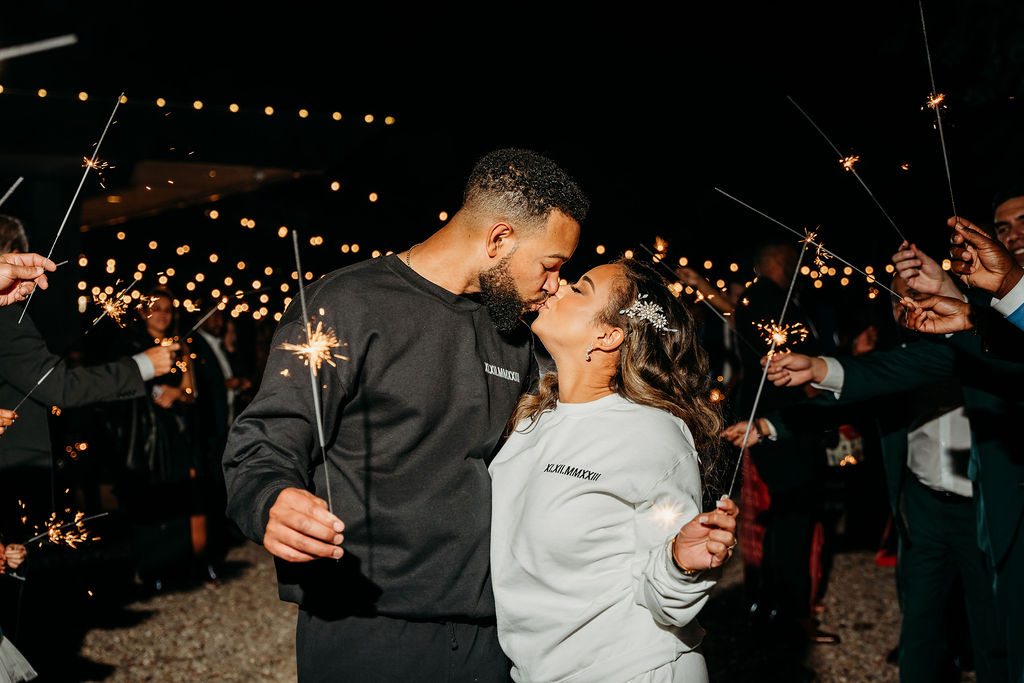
(596, 576)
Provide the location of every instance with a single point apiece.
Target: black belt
(943, 496)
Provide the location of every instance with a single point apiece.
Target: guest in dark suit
(49, 635)
(790, 468)
(992, 397)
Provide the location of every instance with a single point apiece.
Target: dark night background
(649, 107)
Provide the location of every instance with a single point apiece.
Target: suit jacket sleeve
(24, 358)
(881, 373)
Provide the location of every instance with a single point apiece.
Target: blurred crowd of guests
(925, 399)
(131, 422)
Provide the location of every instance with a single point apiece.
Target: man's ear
(500, 240)
(612, 339)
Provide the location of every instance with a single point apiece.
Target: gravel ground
(242, 632)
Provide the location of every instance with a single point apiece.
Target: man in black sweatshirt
(414, 405)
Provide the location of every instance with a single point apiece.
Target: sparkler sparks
(777, 336)
(849, 161)
(935, 100)
(57, 531)
(318, 347)
(667, 515)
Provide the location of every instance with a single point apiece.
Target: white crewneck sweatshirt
(583, 505)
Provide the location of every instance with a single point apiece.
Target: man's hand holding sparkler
(19, 275)
(162, 358)
(708, 539)
(922, 273)
(937, 315)
(795, 369)
(980, 261)
(301, 528)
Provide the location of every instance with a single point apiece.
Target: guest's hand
(162, 358)
(301, 528)
(15, 553)
(19, 275)
(7, 418)
(921, 272)
(981, 261)
(795, 369)
(734, 433)
(937, 315)
(3, 559)
(707, 540)
(168, 395)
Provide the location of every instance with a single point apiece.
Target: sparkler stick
(11, 190)
(808, 239)
(38, 46)
(45, 375)
(55, 531)
(313, 383)
(768, 362)
(935, 102)
(704, 300)
(848, 164)
(89, 165)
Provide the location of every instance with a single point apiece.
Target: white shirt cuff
(146, 368)
(773, 433)
(834, 377)
(1013, 300)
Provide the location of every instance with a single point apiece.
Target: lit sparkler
(779, 336)
(318, 347)
(57, 531)
(311, 361)
(808, 238)
(935, 103)
(775, 336)
(935, 100)
(74, 199)
(847, 163)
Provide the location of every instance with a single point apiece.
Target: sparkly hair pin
(648, 311)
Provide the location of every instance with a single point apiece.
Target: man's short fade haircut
(1009, 192)
(12, 235)
(524, 187)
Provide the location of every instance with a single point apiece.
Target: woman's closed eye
(575, 289)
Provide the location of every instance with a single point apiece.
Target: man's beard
(500, 295)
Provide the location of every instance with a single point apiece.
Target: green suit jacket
(994, 400)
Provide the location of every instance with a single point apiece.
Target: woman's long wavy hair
(664, 370)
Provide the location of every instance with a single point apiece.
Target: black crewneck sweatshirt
(412, 418)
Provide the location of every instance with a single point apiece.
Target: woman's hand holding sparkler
(937, 315)
(921, 272)
(7, 418)
(19, 275)
(708, 539)
(301, 528)
(795, 369)
(981, 261)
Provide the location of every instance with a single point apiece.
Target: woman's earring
(589, 349)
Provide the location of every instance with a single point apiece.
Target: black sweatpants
(360, 649)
